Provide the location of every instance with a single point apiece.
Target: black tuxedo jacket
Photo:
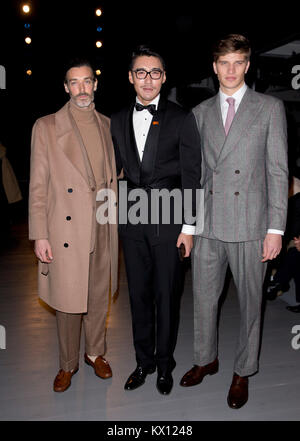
(171, 159)
(293, 218)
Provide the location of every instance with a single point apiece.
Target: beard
(82, 102)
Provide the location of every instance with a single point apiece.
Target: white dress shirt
(141, 124)
(238, 96)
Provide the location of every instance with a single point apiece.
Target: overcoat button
(68, 218)
(66, 245)
(93, 188)
(70, 190)
(210, 191)
(237, 172)
(237, 193)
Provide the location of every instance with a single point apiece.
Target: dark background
(182, 32)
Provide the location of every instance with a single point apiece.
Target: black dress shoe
(164, 383)
(274, 289)
(295, 308)
(137, 378)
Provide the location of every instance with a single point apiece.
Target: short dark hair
(232, 43)
(78, 62)
(143, 50)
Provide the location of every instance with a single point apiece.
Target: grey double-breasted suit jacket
(244, 175)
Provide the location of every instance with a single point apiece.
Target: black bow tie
(151, 108)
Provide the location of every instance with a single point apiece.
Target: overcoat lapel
(68, 141)
(105, 141)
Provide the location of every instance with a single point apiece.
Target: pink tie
(230, 114)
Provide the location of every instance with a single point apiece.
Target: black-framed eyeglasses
(141, 74)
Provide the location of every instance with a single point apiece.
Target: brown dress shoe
(62, 380)
(238, 392)
(101, 366)
(197, 373)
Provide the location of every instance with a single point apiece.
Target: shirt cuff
(188, 229)
(275, 231)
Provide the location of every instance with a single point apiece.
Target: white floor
(29, 363)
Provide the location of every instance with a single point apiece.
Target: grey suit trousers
(210, 258)
(94, 321)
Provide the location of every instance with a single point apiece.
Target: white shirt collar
(238, 95)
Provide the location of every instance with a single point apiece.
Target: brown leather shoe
(101, 366)
(197, 373)
(62, 380)
(238, 392)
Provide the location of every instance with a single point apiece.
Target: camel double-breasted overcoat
(62, 209)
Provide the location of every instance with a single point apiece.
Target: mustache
(83, 94)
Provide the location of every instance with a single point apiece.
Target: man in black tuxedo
(289, 264)
(157, 146)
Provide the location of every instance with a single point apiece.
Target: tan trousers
(94, 321)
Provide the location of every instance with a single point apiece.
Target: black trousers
(290, 269)
(155, 282)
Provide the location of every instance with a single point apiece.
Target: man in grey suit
(245, 182)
